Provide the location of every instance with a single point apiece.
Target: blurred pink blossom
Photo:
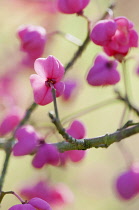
(10, 121)
(33, 39)
(56, 195)
(5, 85)
(8, 93)
(137, 69)
(39, 5)
(71, 88)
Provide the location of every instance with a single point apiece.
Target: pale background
(92, 180)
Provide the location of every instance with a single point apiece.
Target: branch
(98, 142)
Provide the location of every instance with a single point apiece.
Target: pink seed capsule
(127, 184)
(116, 36)
(49, 73)
(103, 72)
(72, 6)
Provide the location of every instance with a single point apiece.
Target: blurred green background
(92, 180)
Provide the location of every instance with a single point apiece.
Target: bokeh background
(92, 180)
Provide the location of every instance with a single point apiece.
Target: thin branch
(125, 78)
(60, 129)
(80, 50)
(87, 110)
(27, 115)
(67, 36)
(2, 194)
(127, 102)
(5, 165)
(128, 157)
(78, 53)
(53, 90)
